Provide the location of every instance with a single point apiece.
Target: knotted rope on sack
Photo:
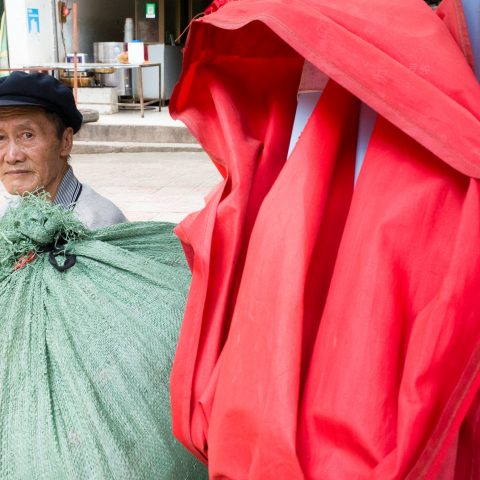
(35, 226)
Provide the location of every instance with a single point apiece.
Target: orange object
(63, 11)
(22, 261)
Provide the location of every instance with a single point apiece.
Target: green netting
(85, 355)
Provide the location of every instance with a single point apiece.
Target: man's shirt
(91, 208)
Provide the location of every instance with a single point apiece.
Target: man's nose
(14, 153)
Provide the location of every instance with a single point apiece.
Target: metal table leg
(140, 90)
(159, 88)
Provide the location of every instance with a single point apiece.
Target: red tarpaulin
(332, 333)
(215, 5)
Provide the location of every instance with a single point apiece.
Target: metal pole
(75, 51)
(140, 89)
(159, 87)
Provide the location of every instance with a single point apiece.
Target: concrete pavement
(127, 131)
(149, 186)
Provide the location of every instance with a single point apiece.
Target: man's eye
(27, 135)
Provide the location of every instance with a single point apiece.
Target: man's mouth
(17, 172)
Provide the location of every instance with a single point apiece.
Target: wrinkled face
(31, 154)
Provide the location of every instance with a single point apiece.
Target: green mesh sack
(86, 353)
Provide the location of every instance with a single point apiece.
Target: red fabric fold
(215, 5)
(329, 333)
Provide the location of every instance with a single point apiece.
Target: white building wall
(31, 42)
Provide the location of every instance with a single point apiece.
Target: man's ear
(67, 142)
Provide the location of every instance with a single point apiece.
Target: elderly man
(38, 119)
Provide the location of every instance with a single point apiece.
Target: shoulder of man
(6, 202)
(96, 211)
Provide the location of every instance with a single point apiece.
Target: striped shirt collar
(68, 191)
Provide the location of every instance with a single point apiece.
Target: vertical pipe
(75, 51)
(136, 20)
(161, 21)
(55, 34)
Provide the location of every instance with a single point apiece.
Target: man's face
(31, 154)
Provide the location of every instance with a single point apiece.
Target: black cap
(40, 90)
